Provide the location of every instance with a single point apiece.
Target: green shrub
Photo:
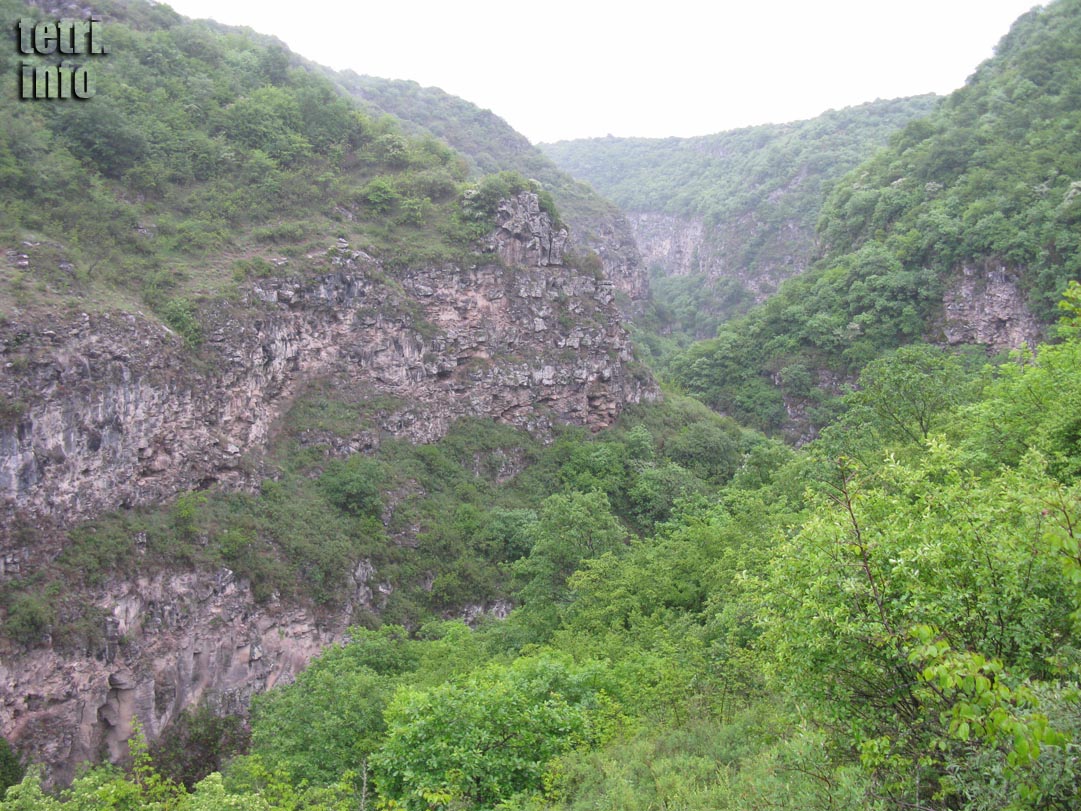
(179, 314)
(28, 619)
(353, 486)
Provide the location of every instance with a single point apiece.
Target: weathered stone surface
(683, 246)
(118, 413)
(612, 239)
(113, 411)
(526, 235)
(984, 305)
(171, 640)
(675, 244)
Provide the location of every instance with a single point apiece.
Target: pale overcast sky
(583, 68)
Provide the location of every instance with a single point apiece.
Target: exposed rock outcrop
(675, 245)
(984, 305)
(102, 411)
(170, 641)
(757, 255)
(612, 238)
(114, 411)
(526, 235)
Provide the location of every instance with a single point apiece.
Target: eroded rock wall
(983, 304)
(112, 410)
(109, 410)
(757, 255)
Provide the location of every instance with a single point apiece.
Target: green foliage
(1034, 402)
(11, 766)
(354, 486)
(198, 743)
(202, 140)
(819, 631)
(758, 192)
(984, 183)
(487, 145)
(905, 395)
(380, 195)
(476, 742)
(181, 316)
(570, 528)
(328, 723)
(28, 619)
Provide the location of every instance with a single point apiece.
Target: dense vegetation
(886, 619)
(989, 179)
(758, 192)
(730, 175)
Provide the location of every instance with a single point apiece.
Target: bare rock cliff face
(984, 304)
(171, 641)
(673, 244)
(112, 410)
(614, 241)
(684, 246)
(526, 235)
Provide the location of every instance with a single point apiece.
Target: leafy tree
(905, 394)
(570, 528)
(854, 593)
(325, 725)
(476, 742)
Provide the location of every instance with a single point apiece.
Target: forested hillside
(972, 211)
(724, 218)
(206, 153)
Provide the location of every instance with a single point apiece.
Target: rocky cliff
(686, 246)
(983, 304)
(110, 410)
(489, 144)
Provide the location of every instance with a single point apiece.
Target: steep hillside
(222, 283)
(722, 219)
(491, 145)
(965, 230)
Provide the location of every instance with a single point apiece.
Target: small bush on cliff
(482, 200)
(179, 314)
(28, 619)
(353, 486)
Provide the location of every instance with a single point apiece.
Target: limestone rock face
(675, 244)
(684, 246)
(114, 411)
(526, 235)
(984, 305)
(110, 410)
(170, 642)
(614, 242)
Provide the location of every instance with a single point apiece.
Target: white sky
(582, 68)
